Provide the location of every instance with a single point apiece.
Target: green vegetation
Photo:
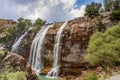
(9, 36)
(91, 76)
(25, 42)
(114, 7)
(111, 5)
(115, 15)
(103, 48)
(2, 53)
(23, 24)
(39, 22)
(93, 9)
(12, 32)
(8, 73)
(99, 25)
(19, 75)
(56, 25)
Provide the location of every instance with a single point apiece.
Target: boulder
(17, 63)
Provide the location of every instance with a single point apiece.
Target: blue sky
(50, 10)
(81, 2)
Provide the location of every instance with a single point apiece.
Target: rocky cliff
(73, 45)
(4, 24)
(11, 63)
(74, 42)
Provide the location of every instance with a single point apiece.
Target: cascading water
(55, 70)
(16, 45)
(35, 58)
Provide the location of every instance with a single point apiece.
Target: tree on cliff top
(111, 5)
(23, 24)
(93, 9)
(39, 22)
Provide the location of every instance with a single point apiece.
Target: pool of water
(42, 77)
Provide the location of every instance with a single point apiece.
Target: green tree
(39, 22)
(93, 9)
(12, 32)
(28, 22)
(104, 48)
(100, 26)
(116, 4)
(115, 15)
(108, 5)
(20, 19)
(21, 24)
(111, 5)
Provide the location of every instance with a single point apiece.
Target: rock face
(17, 63)
(74, 41)
(5, 23)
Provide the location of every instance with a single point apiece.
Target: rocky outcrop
(17, 63)
(4, 24)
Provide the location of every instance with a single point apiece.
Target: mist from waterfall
(35, 58)
(15, 46)
(54, 72)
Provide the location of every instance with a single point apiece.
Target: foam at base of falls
(38, 70)
(43, 77)
(54, 72)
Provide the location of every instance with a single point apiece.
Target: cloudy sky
(50, 10)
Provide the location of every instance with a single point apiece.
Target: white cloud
(56, 10)
(79, 12)
(50, 10)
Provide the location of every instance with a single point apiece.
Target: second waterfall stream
(35, 58)
(15, 47)
(54, 72)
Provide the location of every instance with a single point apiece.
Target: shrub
(39, 22)
(115, 15)
(19, 75)
(103, 48)
(101, 27)
(9, 37)
(91, 76)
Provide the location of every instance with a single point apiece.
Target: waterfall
(35, 58)
(54, 72)
(72, 30)
(15, 46)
